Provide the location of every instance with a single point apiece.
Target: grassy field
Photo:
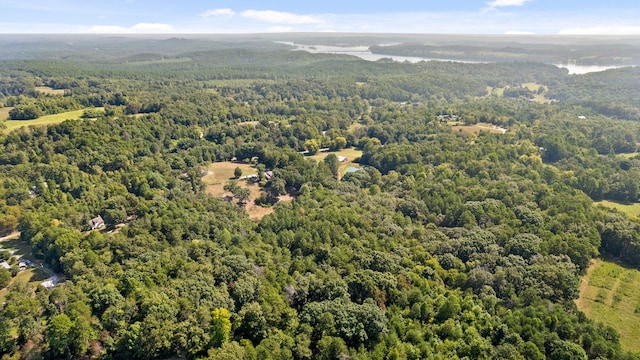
(624, 155)
(533, 86)
(629, 209)
(31, 275)
(4, 113)
(539, 98)
(351, 154)
(475, 129)
(49, 90)
(45, 120)
(610, 293)
(491, 91)
(222, 172)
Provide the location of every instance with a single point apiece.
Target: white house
(96, 223)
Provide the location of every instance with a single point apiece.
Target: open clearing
(351, 154)
(610, 293)
(624, 155)
(629, 209)
(4, 112)
(222, 172)
(33, 276)
(477, 128)
(49, 90)
(46, 120)
(534, 87)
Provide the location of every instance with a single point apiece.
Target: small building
(22, 266)
(342, 159)
(268, 174)
(582, 117)
(96, 223)
(253, 178)
(48, 284)
(5, 265)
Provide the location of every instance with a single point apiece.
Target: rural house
(96, 223)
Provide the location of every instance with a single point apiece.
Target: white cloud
(499, 3)
(108, 29)
(218, 12)
(516, 32)
(141, 28)
(152, 28)
(602, 30)
(279, 17)
(280, 29)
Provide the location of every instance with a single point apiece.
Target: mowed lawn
(4, 113)
(45, 120)
(49, 90)
(220, 173)
(629, 209)
(475, 129)
(351, 154)
(34, 276)
(610, 293)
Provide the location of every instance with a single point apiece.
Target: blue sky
(253, 16)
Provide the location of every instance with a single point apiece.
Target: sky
(566, 17)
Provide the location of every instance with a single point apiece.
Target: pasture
(629, 209)
(33, 276)
(220, 173)
(477, 128)
(45, 120)
(4, 113)
(351, 154)
(49, 90)
(610, 293)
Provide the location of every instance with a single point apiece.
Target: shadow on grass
(22, 247)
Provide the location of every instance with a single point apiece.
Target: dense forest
(443, 244)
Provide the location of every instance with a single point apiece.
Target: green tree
(237, 172)
(220, 326)
(333, 164)
(312, 146)
(339, 143)
(5, 278)
(59, 335)
(7, 341)
(251, 322)
(242, 194)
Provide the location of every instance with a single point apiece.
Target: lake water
(585, 69)
(363, 52)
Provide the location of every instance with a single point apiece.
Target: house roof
(96, 220)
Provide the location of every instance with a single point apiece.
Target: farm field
(4, 113)
(628, 155)
(610, 293)
(475, 129)
(49, 90)
(629, 209)
(44, 120)
(351, 154)
(218, 174)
